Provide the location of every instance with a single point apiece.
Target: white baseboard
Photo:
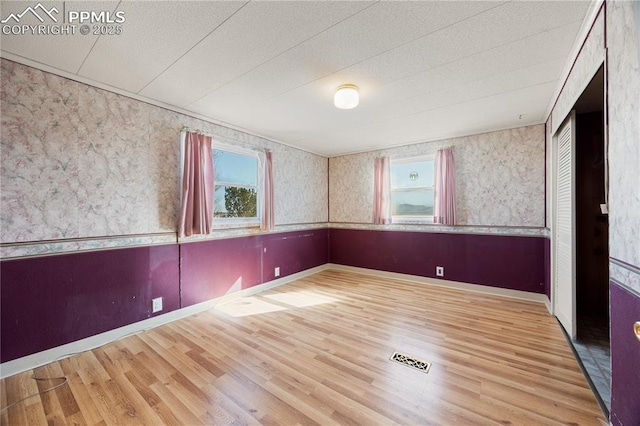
(478, 288)
(38, 359)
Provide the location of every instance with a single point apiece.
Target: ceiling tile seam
(93, 45)
(420, 94)
(485, 51)
(425, 69)
(382, 53)
(283, 52)
(363, 126)
(468, 82)
(194, 46)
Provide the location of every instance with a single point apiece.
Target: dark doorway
(592, 238)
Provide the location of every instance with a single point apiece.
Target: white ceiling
(426, 69)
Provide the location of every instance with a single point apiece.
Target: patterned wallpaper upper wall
(78, 161)
(499, 178)
(623, 39)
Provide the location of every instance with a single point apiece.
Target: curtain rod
(221, 138)
(410, 156)
(193, 130)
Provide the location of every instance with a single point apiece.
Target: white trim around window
(239, 222)
(411, 219)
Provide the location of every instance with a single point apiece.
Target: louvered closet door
(565, 259)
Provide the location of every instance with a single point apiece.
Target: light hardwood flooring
(316, 351)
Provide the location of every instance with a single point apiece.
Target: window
(412, 182)
(236, 193)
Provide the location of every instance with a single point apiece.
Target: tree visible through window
(236, 185)
(240, 202)
(412, 186)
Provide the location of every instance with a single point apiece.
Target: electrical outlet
(156, 304)
(277, 271)
(439, 271)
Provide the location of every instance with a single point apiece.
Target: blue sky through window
(235, 168)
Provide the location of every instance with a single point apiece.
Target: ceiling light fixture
(346, 96)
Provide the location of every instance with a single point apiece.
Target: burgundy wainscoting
(547, 267)
(294, 252)
(53, 300)
(625, 357)
(510, 262)
(210, 269)
(213, 268)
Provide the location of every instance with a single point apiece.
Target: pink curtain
(267, 221)
(382, 192)
(445, 188)
(196, 210)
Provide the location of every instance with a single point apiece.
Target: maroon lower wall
(510, 262)
(49, 301)
(213, 268)
(625, 357)
(53, 300)
(547, 267)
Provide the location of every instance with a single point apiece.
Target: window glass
(412, 191)
(412, 174)
(417, 202)
(235, 168)
(236, 185)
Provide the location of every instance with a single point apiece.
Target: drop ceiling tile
(319, 116)
(478, 116)
(256, 34)
(496, 27)
(478, 89)
(542, 47)
(372, 32)
(155, 35)
(438, 47)
(462, 80)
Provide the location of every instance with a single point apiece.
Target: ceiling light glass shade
(346, 96)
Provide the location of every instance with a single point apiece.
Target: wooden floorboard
(316, 352)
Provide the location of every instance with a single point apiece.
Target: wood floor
(316, 351)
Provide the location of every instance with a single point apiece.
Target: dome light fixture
(346, 96)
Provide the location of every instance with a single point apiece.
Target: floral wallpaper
(549, 170)
(78, 161)
(499, 178)
(623, 70)
(39, 168)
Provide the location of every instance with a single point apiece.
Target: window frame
(237, 222)
(414, 219)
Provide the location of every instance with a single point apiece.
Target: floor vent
(410, 361)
